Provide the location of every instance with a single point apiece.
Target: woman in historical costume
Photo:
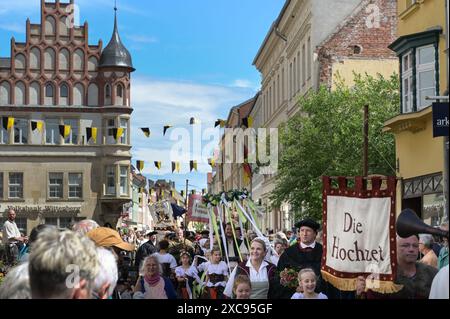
(260, 272)
(151, 285)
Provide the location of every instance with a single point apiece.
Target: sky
(193, 58)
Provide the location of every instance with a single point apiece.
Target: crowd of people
(93, 262)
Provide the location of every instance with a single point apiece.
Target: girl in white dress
(216, 275)
(307, 280)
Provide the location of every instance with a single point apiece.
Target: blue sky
(193, 59)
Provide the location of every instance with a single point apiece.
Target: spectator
(415, 277)
(426, 249)
(166, 260)
(148, 248)
(85, 226)
(279, 246)
(13, 240)
(443, 254)
(25, 253)
(16, 284)
(62, 265)
(440, 285)
(106, 279)
(150, 284)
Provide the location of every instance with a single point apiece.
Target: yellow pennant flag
(40, 126)
(10, 123)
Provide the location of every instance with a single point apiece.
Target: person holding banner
(235, 248)
(415, 277)
(306, 253)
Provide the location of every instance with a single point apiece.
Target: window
(110, 125)
(21, 223)
(309, 57)
(4, 135)
(124, 125)
(60, 222)
(407, 80)
(1, 185)
(75, 185)
(303, 65)
(52, 131)
(49, 90)
(51, 221)
(426, 85)
(20, 131)
(110, 180)
(107, 91)
(290, 80)
(123, 180)
(73, 136)
(65, 222)
(119, 91)
(15, 185)
(55, 185)
(64, 91)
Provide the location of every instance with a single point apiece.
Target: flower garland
(229, 196)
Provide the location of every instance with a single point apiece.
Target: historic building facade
(65, 134)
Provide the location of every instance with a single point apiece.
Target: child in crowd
(216, 274)
(242, 287)
(307, 280)
(185, 274)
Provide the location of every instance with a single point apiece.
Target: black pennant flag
(140, 165)
(158, 164)
(193, 165)
(166, 127)
(146, 131)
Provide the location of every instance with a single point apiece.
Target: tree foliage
(326, 138)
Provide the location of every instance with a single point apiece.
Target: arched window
(78, 94)
(107, 91)
(19, 93)
(78, 60)
(92, 64)
(5, 93)
(50, 24)
(64, 26)
(64, 59)
(93, 95)
(120, 90)
(49, 58)
(35, 58)
(35, 93)
(49, 94)
(20, 63)
(64, 91)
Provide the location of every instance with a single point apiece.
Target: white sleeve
(10, 231)
(179, 272)
(173, 263)
(224, 269)
(229, 287)
(439, 287)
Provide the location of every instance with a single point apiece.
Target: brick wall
(360, 30)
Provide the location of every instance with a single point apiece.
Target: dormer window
(107, 91)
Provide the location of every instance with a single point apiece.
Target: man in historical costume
(415, 277)
(306, 253)
(234, 247)
(146, 249)
(12, 238)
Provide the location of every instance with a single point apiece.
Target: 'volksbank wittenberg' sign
(440, 119)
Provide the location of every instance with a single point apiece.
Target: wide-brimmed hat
(151, 233)
(107, 237)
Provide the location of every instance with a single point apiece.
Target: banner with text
(359, 233)
(197, 212)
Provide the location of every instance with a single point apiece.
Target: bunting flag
(166, 127)
(247, 122)
(64, 130)
(36, 125)
(158, 164)
(8, 122)
(172, 193)
(177, 211)
(194, 121)
(211, 161)
(140, 165)
(193, 165)
(91, 132)
(176, 166)
(146, 131)
(117, 133)
(219, 122)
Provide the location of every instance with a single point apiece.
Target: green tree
(326, 138)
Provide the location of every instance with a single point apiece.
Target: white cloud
(14, 27)
(141, 38)
(243, 83)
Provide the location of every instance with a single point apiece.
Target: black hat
(205, 232)
(308, 223)
(151, 233)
